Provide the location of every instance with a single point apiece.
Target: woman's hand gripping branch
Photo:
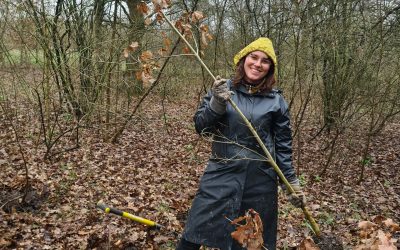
(298, 198)
(220, 95)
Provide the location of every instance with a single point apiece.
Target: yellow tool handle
(141, 220)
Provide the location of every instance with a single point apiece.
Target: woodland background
(80, 122)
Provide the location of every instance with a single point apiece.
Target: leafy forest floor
(153, 171)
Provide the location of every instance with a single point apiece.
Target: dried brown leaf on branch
(167, 42)
(249, 235)
(145, 74)
(146, 56)
(197, 16)
(185, 17)
(187, 30)
(159, 17)
(162, 52)
(143, 8)
(183, 26)
(147, 21)
(178, 25)
(205, 35)
(131, 48)
(186, 50)
(161, 4)
(147, 65)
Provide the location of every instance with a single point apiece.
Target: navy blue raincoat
(237, 176)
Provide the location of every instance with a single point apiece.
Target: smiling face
(256, 66)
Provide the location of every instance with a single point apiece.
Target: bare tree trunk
(108, 87)
(135, 34)
(3, 27)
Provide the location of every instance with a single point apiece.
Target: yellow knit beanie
(262, 44)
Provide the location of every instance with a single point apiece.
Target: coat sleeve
(205, 119)
(283, 141)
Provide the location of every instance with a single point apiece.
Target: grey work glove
(220, 94)
(298, 199)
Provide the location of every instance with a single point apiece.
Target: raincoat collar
(243, 89)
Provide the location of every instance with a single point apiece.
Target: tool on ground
(141, 220)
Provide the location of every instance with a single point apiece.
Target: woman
(237, 176)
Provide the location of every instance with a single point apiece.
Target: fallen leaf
(82, 232)
(250, 234)
(385, 242)
(134, 236)
(379, 218)
(308, 244)
(160, 239)
(4, 243)
(391, 225)
(57, 232)
(118, 243)
(366, 225)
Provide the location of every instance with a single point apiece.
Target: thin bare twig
(383, 188)
(13, 199)
(17, 139)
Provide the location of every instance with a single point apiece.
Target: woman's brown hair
(267, 82)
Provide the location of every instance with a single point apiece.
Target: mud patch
(328, 242)
(21, 200)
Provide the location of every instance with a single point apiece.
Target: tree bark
(137, 30)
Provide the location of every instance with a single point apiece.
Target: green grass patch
(15, 56)
(327, 218)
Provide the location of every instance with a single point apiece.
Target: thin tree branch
(118, 133)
